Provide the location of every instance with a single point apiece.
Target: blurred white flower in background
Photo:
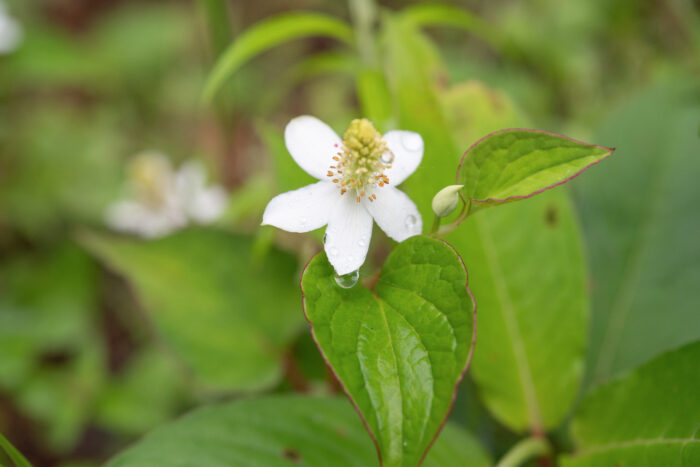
(10, 31)
(162, 200)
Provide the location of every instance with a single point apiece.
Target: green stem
(524, 450)
(363, 13)
(445, 230)
(436, 224)
(15, 456)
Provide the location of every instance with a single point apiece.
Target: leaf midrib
(631, 273)
(633, 443)
(512, 328)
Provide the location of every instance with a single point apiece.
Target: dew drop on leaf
(348, 280)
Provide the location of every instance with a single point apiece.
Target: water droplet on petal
(388, 157)
(411, 141)
(410, 222)
(362, 243)
(325, 237)
(348, 280)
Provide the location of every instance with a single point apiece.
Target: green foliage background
(580, 290)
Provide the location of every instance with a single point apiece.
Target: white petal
(134, 217)
(191, 177)
(395, 213)
(312, 144)
(347, 236)
(207, 205)
(302, 210)
(407, 147)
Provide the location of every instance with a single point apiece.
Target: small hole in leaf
(551, 216)
(291, 455)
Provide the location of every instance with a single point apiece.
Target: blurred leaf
(269, 33)
(411, 72)
(227, 315)
(650, 416)
(145, 394)
(141, 40)
(47, 305)
(400, 353)
(59, 165)
(61, 395)
(638, 216)
(15, 456)
(374, 97)
(278, 431)
(436, 14)
(52, 365)
(473, 110)
(318, 64)
(516, 164)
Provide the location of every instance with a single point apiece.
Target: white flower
(163, 200)
(357, 176)
(10, 31)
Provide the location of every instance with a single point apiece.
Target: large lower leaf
(640, 217)
(650, 417)
(399, 350)
(526, 269)
(281, 431)
(225, 313)
(515, 164)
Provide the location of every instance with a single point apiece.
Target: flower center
(150, 176)
(361, 161)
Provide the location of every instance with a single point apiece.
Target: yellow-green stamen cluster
(150, 176)
(361, 161)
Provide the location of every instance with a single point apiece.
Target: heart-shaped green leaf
(401, 349)
(281, 431)
(515, 164)
(209, 298)
(649, 417)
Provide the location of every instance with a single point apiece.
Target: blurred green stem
(15, 456)
(524, 450)
(363, 13)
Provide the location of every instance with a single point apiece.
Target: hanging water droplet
(348, 280)
(410, 222)
(411, 141)
(388, 157)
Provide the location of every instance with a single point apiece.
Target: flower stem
(363, 13)
(525, 449)
(436, 224)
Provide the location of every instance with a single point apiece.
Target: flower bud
(445, 201)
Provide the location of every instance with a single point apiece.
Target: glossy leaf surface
(281, 431)
(515, 164)
(401, 349)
